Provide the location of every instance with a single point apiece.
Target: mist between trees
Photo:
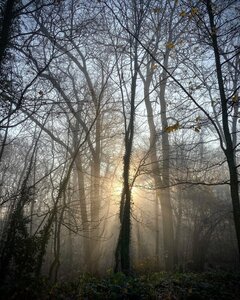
(119, 136)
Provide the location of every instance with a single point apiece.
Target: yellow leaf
(154, 66)
(172, 128)
(235, 98)
(182, 14)
(194, 11)
(170, 45)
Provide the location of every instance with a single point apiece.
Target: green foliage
(19, 255)
(24, 254)
(25, 251)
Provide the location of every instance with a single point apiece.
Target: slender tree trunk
(46, 231)
(53, 272)
(80, 183)
(154, 160)
(229, 150)
(95, 201)
(178, 229)
(167, 214)
(83, 209)
(157, 228)
(162, 194)
(199, 250)
(70, 245)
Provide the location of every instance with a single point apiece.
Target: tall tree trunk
(178, 229)
(156, 172)
(80, 183)
(95, 201)
(167, 214)
(122, 254)
(199, 249)
(161, 184)
(54, 268)
(229, 150)
(83, 208)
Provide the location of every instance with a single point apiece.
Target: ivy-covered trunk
(6, 26)
(122, 254)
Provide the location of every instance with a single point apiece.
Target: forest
(119, 149)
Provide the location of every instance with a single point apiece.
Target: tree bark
(229, 150)
(156, 172)
(167, 214)
(122, 254)
(95, 199)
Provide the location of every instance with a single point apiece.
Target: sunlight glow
(117, 190)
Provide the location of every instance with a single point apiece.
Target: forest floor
(164, 286)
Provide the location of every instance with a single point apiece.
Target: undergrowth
(164, 286)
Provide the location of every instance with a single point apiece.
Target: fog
(119, 137)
